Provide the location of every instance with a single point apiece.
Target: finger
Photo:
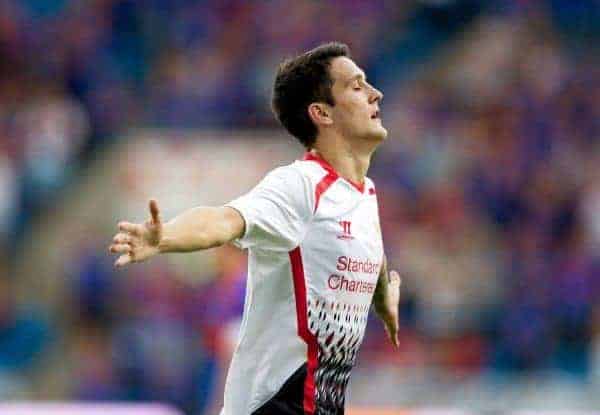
(123, 260)
(395, 331)
(120, 248)
(154, 212)
(392, 332)
(131, 228)
(392, 335)
(122, 238)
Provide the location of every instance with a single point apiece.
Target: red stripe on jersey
(303, 330)
(323, 163)
(359, 186)
(322, 187)
(314, 157)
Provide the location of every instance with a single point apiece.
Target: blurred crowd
(489, 184)
(76, 74)
(491, 202)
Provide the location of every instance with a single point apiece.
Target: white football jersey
(315, 252)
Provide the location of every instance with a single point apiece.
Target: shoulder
(300, 172)
(313, 172)
(304, 182)
(289, 185)
(288, 176)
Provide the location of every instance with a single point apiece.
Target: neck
(350, 160)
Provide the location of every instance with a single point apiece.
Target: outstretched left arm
(386, 300)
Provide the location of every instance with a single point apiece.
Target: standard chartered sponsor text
(346, 263)
(342, 283)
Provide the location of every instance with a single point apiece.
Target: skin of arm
(386, 300)
(201, 228)
(382, 287)
(195, 229)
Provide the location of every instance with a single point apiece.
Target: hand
(138, 242)
(388, 309)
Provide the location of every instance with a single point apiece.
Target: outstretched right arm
(195, 229)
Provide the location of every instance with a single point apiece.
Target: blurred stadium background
(489, 187)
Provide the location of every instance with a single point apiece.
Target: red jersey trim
(322, 187)
(303, 330)
(331, 171)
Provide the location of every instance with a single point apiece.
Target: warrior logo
(346, 232)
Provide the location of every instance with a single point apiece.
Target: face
(356, 110)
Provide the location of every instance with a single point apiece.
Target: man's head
(323, 89)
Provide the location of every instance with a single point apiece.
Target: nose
(376, 95)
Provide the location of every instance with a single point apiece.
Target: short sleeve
(276, 211)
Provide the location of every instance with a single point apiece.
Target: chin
(380, 134)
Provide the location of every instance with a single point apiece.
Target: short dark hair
(301, 81)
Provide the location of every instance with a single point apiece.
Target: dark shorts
(290, 398)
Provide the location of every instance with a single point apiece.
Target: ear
(319, 114)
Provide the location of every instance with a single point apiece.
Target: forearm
(201, 228)
(382, 289)
(386, 300)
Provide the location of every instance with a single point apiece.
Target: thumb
(154, 212)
